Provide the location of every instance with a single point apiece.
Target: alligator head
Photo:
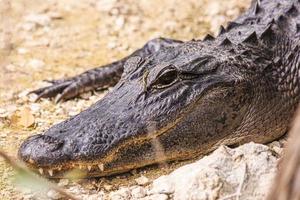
(175, 105)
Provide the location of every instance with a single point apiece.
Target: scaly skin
(178, 100)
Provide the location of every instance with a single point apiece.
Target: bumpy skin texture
(177, 100)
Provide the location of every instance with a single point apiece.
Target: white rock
(163, 185)
(2, 111)
(121, 194)
(221, 174)
(54, 195)
(142, 180)
(28, 26)
(105, 5)
(22, 50)
(36, 64)
(63, 182)
(120, 21)
(112, 45)
(138, 192)
(156, 197)
(39, 19)
(10, 67)
(107, 187)
(55, 15)
(98, 196)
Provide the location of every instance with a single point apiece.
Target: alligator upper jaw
(114, 161)
(81, 170)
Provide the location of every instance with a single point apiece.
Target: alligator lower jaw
(96, 169)
(76, 170)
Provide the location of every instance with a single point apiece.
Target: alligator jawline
(97, 167)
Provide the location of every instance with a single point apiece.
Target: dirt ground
(52, 39)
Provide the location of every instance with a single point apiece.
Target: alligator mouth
(88, 170)
(105, 165)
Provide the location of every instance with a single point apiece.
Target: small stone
(28, 26)
(36, 64)
(54, 195)
(120, 21)
(122, 193)
(138, 192)
(2, 111)
(63, 182)
(162, 185)
(26, 117)
(39, 19)
(112, 45)
(10, 67)
(105, 5)
(22, 94)
(142, 180)
(107, 187)
(22, 51)
(32, 97)
(35, 107)
(98, 196)
(55, 15)
(37, 43)
(156, 197)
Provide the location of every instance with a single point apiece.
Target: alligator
(175, 100)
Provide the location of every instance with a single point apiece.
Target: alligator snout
(89, 141)
(45, 151)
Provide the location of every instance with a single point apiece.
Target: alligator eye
(166, 79)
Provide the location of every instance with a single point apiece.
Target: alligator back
(286, 14)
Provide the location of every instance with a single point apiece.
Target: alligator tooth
(101, 167)
(41, 170)
(31, 161)
(89, 167)
(81, 167)
(50, 171)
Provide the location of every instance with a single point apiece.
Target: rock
(38, 19)
(162, 185)
(221, 174)
(63, 182)
(107, 187)
(28, 26)
(142, 180)
(10, 67)
(120, 21)
(121, 194)
(105, 5)
(98, 196)
(36, 64)
(112, 45)
(54, 195)
(156, 197)
(22, 50)
(23, 117)
(55, 15)
(138, 192)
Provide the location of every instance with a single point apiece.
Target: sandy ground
(52, 39)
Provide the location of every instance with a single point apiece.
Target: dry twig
(21, 168)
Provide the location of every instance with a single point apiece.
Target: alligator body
(177, 100)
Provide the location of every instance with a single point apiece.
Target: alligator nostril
(51, 140)
(52, 143)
